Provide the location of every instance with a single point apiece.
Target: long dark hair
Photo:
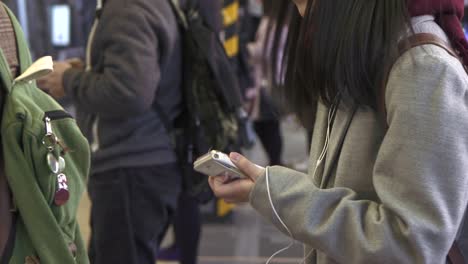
(341, 48)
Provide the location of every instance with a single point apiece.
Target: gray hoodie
(135, 59)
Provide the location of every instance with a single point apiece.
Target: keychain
(56, 164)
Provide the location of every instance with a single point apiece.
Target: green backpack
(47, 162)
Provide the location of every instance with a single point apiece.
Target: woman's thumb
(246, 166)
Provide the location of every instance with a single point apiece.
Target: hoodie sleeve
(128, 43)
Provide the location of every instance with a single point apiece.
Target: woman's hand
(237, 191)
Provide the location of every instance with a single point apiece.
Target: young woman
(388, 180)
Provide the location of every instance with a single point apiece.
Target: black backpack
(213, 117)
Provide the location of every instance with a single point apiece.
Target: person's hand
(237, 191)
(76, 63)
(53, 82)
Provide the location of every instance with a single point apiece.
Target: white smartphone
(216, 163)
(60, 23)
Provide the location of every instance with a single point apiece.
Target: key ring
(50, 140)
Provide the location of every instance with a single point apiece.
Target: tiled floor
(246, 238)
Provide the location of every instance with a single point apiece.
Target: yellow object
(231, 46)
(223, 208)
(231, 14)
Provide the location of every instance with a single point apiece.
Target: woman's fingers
(250, 169)
(237, 191)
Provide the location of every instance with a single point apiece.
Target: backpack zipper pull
(48, 126)
(49, 140)
(56, 164)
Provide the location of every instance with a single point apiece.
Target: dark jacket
(135, 60)
(210, 10)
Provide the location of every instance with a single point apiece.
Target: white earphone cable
(267, 175)
(331, 114)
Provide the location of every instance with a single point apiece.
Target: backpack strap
(425, 39)
(416, 40)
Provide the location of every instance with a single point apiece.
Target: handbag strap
(425, 39)
(455, 256)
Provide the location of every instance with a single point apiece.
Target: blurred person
(265, 105)
(388, 177)
(264, 108)
(133, 61)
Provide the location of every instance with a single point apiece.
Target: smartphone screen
(60, 24)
